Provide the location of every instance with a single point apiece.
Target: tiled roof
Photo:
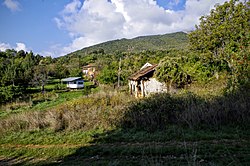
(88, 66)
(136, 76)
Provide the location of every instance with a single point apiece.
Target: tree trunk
(42, 88)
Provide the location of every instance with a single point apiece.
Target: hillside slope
(138, 44)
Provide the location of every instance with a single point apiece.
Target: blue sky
(57, 27)
(33, 24)
(172, 5)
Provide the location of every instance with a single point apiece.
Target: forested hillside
(138, 44)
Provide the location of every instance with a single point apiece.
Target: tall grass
(189, 110)
(108, 109)
(98, 110)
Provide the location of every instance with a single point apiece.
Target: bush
(9, 93)
(159, 111)
(99, 110)
(107, 110)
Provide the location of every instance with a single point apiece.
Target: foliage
(133, 54)
(59, 70)
(108, 75)
(188, 109)
(224, 35)
(17, 71)
(53, 96)
(180, 68)
(219, 44)
(40, 76)
(171, 71)
(114, 109)
(7, 93)
(138, 44)
(100, 110)
(107, 125)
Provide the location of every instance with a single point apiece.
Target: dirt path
(127, 151)
(128, 144)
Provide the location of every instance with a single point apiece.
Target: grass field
(173, 146)
(42, 101)
(108, 127)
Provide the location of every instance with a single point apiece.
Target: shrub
(9, 93)
(107, 110)
(159, 111)
(99, 110)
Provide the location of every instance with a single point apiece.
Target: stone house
(142, 83)
(90, 71)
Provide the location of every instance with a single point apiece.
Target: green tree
(171, 71)
(224, 35)
(108, 75)
(60, 70)
(40, 76)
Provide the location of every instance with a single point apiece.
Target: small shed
(142, 83)
(74, 82)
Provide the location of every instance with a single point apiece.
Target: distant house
(142, 83)
(74, 82)
(89, 71)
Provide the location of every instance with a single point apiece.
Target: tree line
(219, 44)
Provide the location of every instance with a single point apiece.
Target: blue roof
(71, 79)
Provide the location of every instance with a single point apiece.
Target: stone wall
(154, 86)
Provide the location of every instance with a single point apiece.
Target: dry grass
(16, 105)
(108, 109)
(99, 110)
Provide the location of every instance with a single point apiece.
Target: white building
(74, 82)
(142, 83)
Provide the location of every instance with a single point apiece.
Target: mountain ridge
(138, 44)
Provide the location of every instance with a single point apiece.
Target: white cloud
(13, 5)
(4, 46)
(92, 21)
(72, 7)
(18, 47)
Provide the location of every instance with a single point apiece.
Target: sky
(58, 27)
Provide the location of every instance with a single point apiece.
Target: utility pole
(119, 74)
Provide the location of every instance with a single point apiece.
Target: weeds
(115, 109)
(112, 126)
(99, 110)
(161, 110)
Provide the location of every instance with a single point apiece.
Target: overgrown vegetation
(205, 123)
(224, 35)
(219, 44)
(99, 110)
(106, 126)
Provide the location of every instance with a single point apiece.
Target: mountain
(138, 44)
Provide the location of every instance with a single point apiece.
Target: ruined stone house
(142, 83)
